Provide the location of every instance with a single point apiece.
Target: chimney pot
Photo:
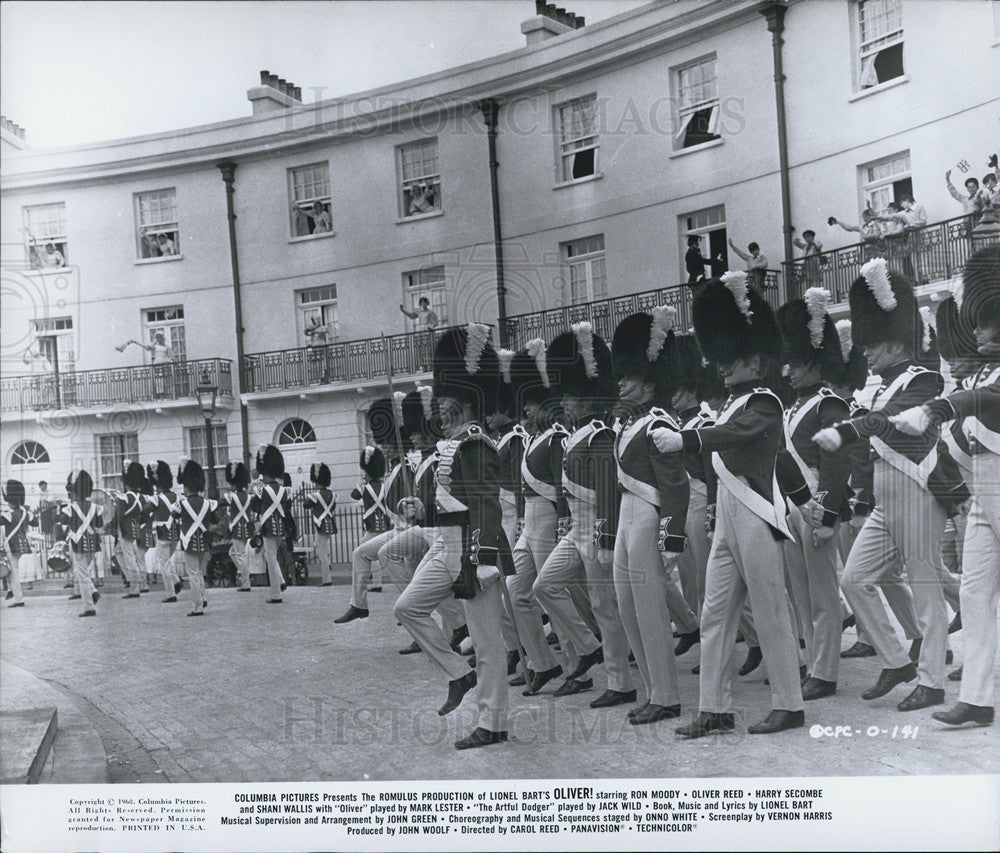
(298, 93)
(264, 77)
(282, 85)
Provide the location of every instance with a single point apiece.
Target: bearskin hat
(855, 374)
(160, 475)
(643, 347)
(133, 475)
(270, 462)
(809, 335)
(956, 341)
(180, 470)
(579, 365)
(80, 485)
(372, 462)
(980, 302)
(191, 475)
(14, 492)
(146, 486)
(693, 373)
(382, 421)
(529, 378)
(732, 321)
(884, 308)
(418, 413)
(237, 475)
(466, 368)
(319, 475)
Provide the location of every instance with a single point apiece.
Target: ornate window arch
(29, 453)
(296, 431)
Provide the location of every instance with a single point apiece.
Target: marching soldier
(195, 514)
(654, 503)
(917, 485)
(322, 503)
(145, 541)
(736, 330)
(239, 520)
(468, 556)
(129, 514)
(82, 521)
(979, 405)
(163, 503)
(271, 504)
(15, 522)
(579, 363)
(813, 357)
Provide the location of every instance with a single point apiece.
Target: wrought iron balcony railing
(340, 363)
(935, 252)
(605, 314)
(113, 385)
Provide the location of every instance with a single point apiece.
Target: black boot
(456, 692)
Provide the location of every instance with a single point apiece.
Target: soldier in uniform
(979, 406)
(917, 485)
(579, 364)
(737, 331)
(15, 522)
(165, 525)
(145, 542)
(128, 514)
(321, 504)
(82, 523)
(813, 357)
(466, 558)
(195, 514)
(271, 504)
(239, 520)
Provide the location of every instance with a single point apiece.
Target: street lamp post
(207, 391)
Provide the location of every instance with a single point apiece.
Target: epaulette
(558, 427)
(827, 392)
(598, 424)
(520, 431)
(917, 368)
(476, 433)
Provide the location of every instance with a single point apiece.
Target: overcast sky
(75, 72)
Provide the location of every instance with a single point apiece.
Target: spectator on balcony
(161, 357)
(695, 262)
(968, 202)
(41, 381)
(912, 219)
(988, 197)
(756, 264)
(812, 257)
(869, 230)
(427, 322)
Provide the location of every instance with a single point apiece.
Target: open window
(157, 232)
(698, 103)
(578, 140)
(309, 203)
(880, 42)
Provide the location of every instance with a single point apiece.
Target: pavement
(261, 692)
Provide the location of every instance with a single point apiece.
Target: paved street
(258, 692)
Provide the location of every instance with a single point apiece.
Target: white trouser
(82, 562)
(532, 550)
(274, 575)
(194, 564)
(508, 509)
(362, 575)
(125, 554)
(164, 551)
(694, 561)
(238, 554)
(324, 554)
(14, 578)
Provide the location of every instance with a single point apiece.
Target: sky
(78, 72)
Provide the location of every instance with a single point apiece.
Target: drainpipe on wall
(491, 110)
(228, 170)
(776, 26)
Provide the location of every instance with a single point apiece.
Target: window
(112, 451)
(309, 187)
(427, 283)
(168, 322)
(54, 340)
(698, 104)
(29, 453)
(297, 431)
(46, 244)
(886, 181)
(317, 310)
(577, 138)
(157, 235)
(704, 230)
(583, 263)
(198, 450)
(880, 41)
(420, 191)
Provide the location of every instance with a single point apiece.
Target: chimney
(549, 21)
(273, 93)
(12, 128)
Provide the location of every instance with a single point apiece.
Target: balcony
(936, 252)
(344, 363)
(101, 389)
(605, 314)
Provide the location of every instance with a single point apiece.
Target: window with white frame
(157, 233)
(55, 341)
(168, 322)
(29, 453)
(583, 265)
(705, 231)
(420, 178)
(296, 431)
(317, 315)
(309, 193)
(885, 181)
(46, 243)
(112, 451)
(429, 284)
(578, 139)
(880, 41)
(197, 449)
(697, 103)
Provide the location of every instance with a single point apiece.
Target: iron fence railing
(935, 252)
(605, 314)
(339, 363)
(113, 385)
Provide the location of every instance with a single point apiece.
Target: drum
(60, 559)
